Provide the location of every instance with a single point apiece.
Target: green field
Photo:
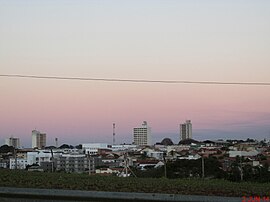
(16, 178)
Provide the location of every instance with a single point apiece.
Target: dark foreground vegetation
(217, 187)
(213, 169)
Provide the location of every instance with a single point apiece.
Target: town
(234, 160)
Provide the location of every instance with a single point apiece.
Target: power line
(136, 80)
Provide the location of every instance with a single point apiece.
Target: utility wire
(136, 80)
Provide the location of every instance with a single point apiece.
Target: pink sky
(86, 110)
(157, 40)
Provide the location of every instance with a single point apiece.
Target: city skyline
(224, 41)
(53, 141)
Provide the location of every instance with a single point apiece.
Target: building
(109, 171)
(38, 139)
(243, 153)
(142, 135)
(18, 163)
(78, 163)
(37, 157)
(186, 130)
(93, 148)
(13, 141)
(4, 163)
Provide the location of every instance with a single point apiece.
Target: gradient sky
(210, 40)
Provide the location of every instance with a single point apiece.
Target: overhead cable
(136, 80)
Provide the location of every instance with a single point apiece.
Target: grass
(216, 187)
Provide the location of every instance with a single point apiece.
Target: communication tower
(56, 142)
(113, 133)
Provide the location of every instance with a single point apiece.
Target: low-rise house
(243, 153)
(208, 151)
(190, 157)
(178, 148)
(155, 154)
(93, 148)
(124, 147)
(35, 168)
(146, 164)
(111, 162)
(109, 171)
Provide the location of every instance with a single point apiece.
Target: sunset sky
(210, 40)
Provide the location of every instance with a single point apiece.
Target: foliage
(79, 146)
(19, 178)
(193, 168)
(50, 147)
(188, 141)
(6, 149)
(166, 141)
(66, 146)
(250, 173)
(150, 173)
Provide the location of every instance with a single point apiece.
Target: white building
(155, 154)
(116, 171)
(13, 141)
(123, 147)
(38, 139)
(92, 148)
(142, 135)
(21, 163)
(186, 130)
(37, 157)
(191, 157)
(243, 153)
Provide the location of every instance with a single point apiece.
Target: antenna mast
(113, 133)
(56, 142)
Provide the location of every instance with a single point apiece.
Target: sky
(192, 40)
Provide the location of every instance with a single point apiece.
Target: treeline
(212, 169)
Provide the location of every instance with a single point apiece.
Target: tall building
(38, 139)
(13, 141)
(142, 135)
(186, 130)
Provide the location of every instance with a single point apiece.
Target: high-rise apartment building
(186, 130)
(142, 135)
(38, 139)
(13, 141)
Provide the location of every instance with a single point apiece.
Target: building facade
(186, 130)
(142, 135)
(92, 148)
(19, 163)
(78, 163)
(13, 141)
(37, 157)
(38, 139)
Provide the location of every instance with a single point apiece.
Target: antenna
(126, 168)
(56, 142)
(113, 133)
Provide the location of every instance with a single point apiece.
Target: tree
(167, 141)
(64, 146)
(6, 149)
(188, 141)
(50, 147)
(78, 146)
(250, 140)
